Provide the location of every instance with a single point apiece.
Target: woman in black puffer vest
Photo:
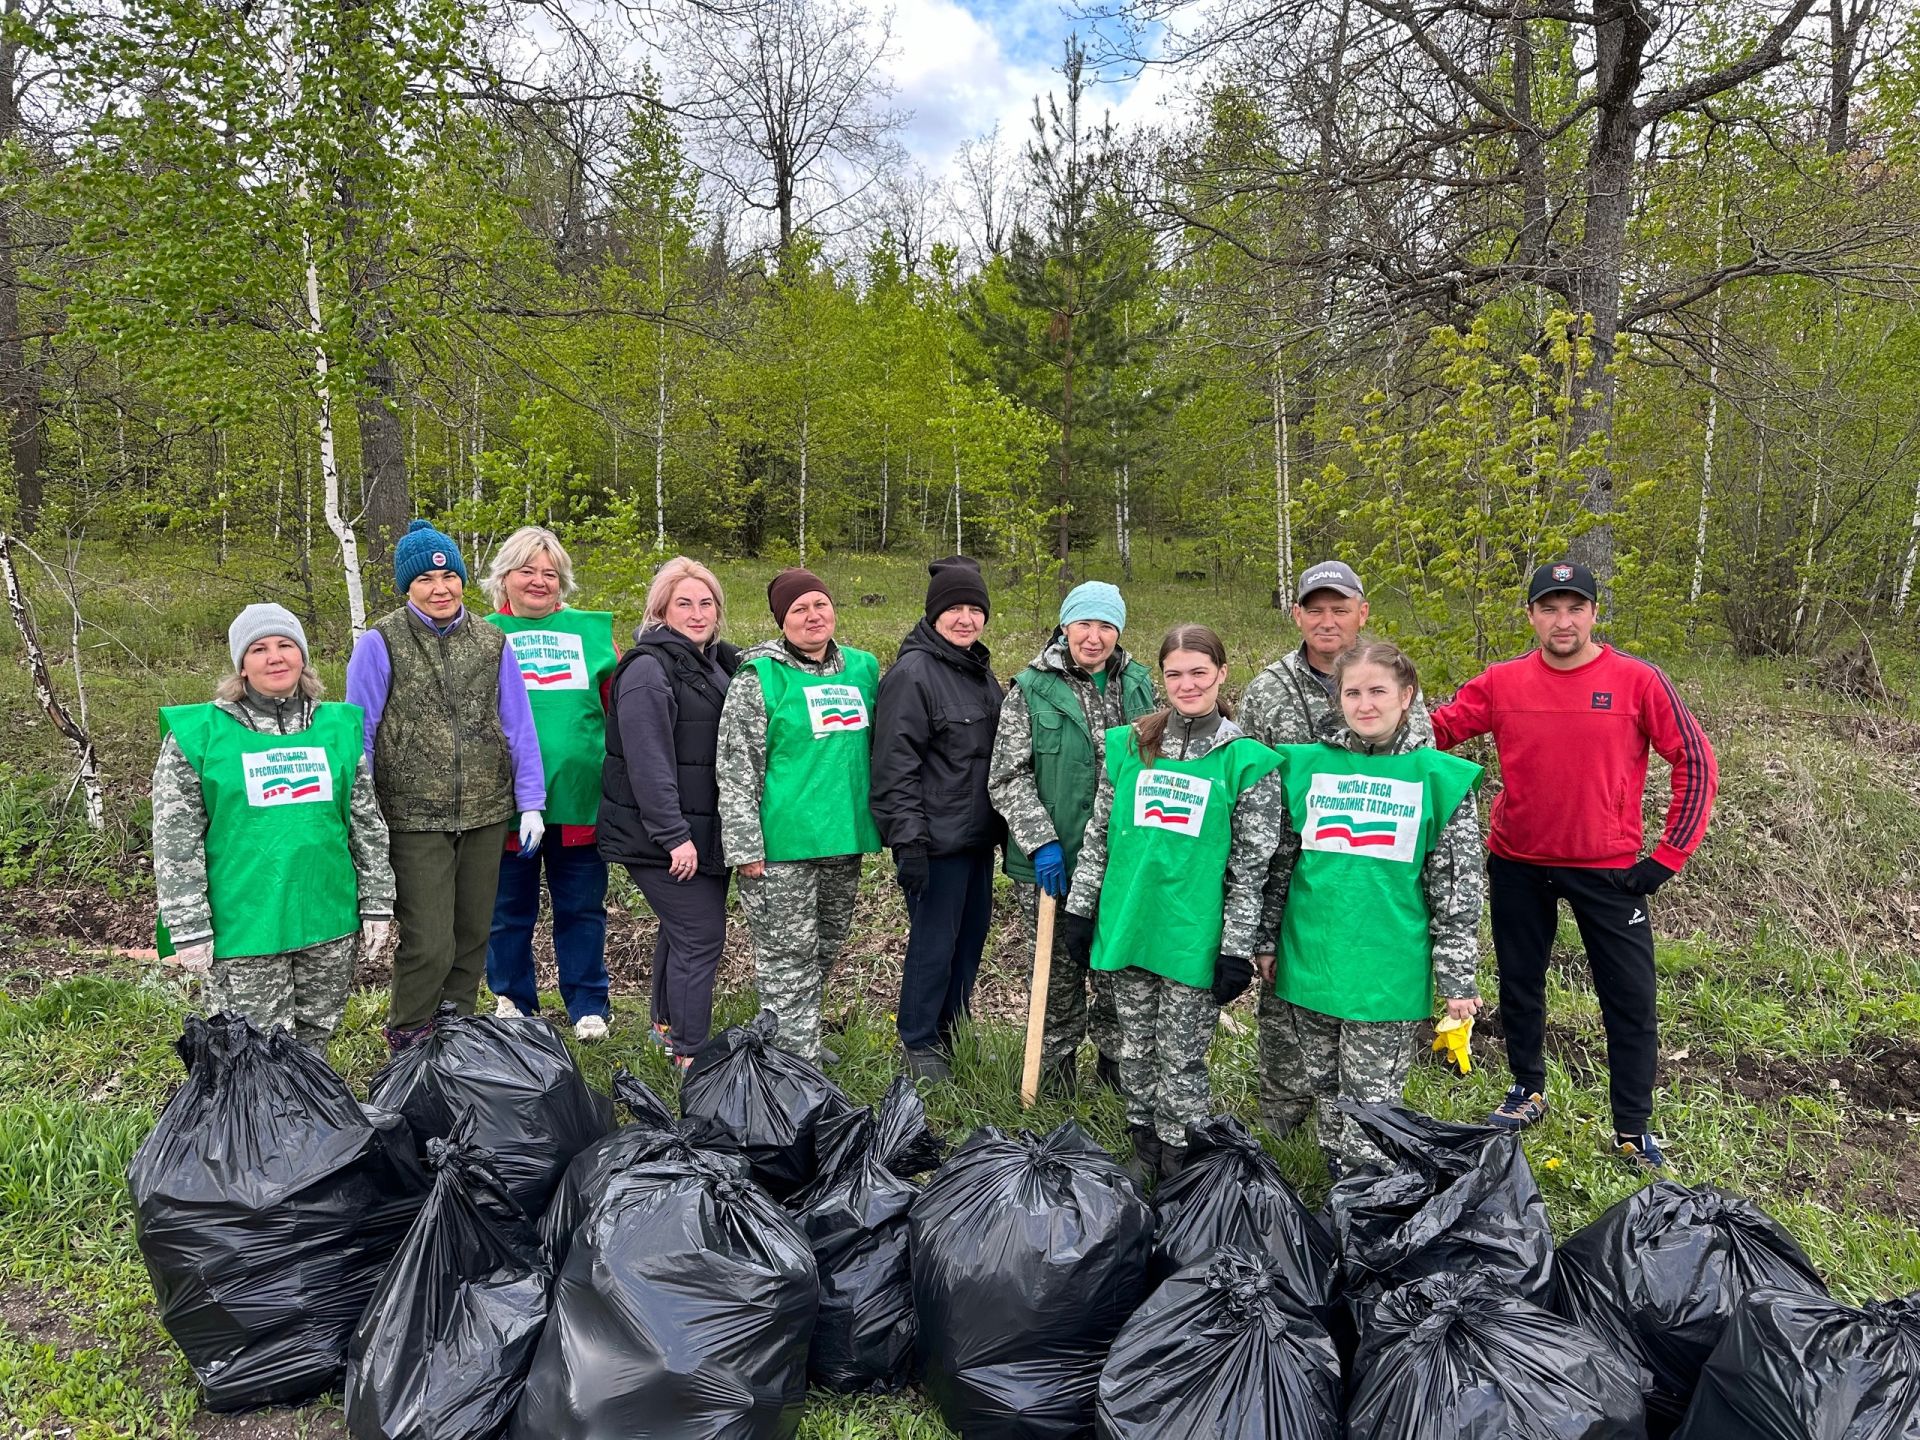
(659, 800)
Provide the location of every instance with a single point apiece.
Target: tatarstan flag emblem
(298, 789)
(840, 717)
(1168, 813)
(1355, 831)
(535, 673)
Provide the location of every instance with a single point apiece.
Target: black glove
(1075, 936)
(1232, 974)
(1646, 877)
(911, 867)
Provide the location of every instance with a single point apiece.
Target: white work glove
(532, 827)
(195, 959)
(373, 936)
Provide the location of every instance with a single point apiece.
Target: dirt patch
(310, 1422)
(33, 1320)
(85, 915)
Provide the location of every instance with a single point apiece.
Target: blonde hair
(519, 549)
(660, 593)
(233, 688)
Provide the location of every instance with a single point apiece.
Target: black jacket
(657, 786)
(933, 731)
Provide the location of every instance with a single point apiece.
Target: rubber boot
(1144, 1166)
(1107, 1072)
(1173, 1159)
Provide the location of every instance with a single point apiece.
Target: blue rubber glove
(1050, 869)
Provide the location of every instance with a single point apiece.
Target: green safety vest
(1355, 941)
(1065, 771)
(565, 658)
(280, 875)
(813, 804)
(1163, 898)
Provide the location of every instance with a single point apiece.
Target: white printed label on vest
(293, 775)
(836, 709)
(1167, 800)
(550, 660)
(1364, 815)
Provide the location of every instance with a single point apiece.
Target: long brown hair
(1385, 654)
(1150, 730)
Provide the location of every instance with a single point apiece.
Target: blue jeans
(577, 881)
(947, 934)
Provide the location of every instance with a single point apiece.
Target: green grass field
(1790, 971)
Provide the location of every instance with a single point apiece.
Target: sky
(961, 66)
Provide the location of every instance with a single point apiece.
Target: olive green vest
(440, 759)
(1064, 768)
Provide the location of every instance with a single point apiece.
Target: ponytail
(1150, 730)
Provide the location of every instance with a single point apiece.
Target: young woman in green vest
(269, 850)
(1166, 898)
(794, 743)
(566, 658)
(1043, 776)
(1381, 825)
(450, 736)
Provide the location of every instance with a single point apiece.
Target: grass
(1789, 959)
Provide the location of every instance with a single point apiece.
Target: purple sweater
(370, 677)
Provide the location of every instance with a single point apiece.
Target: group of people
(1321, 838)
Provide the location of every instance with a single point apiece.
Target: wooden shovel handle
(1037, 1000)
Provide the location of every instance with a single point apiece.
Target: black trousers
(1617, 930)
(949, 931)
(686, 956)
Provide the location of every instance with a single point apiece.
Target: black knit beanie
(956, 581)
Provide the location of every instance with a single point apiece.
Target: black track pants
(1617, 930)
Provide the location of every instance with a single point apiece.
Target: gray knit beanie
(256, 622)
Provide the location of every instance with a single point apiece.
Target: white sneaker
(505, 1009)
(589, 1028)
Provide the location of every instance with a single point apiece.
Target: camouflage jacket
(1287, 704)
(742, 764)
(1454, 879)
(180, 826)
(1259, 826)
(1010, 779)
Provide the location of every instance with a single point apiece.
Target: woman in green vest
(1043, 776)
(566, 658)
(450, 736)
(1166, 897)
(1384, 826)
(269, 850)
(794, 743)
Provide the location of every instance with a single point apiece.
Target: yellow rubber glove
(1453, 1042)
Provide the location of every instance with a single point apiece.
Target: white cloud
(953, 71)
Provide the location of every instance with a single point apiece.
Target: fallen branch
(50, 703)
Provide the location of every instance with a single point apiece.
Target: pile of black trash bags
(477, 1251)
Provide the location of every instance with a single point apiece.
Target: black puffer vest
(622, 836)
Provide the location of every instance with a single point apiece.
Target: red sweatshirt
(1573, 758)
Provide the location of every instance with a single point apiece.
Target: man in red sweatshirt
(1572, 722)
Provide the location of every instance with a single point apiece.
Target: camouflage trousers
(302, 991)
(1166, 1029)
(1307, 1057)
(1070, 1018)
(799, 914)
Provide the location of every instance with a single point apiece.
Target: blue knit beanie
(1095, 600)
(424, 548)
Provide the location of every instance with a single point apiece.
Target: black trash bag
(1791, 1366)
(1659, 1275)
(267, 1204)
(684, 1312)
(1458, 1198)
(531, 1106)
(1028, 1255)
(1230, 1192)
(1459, 1357)
(1223, 1348)
(855, 1218)
(444, 1345)
(653, 1135)
(745, 1093)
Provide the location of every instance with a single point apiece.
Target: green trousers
(444, 884)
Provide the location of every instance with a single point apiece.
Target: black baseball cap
(1562, 575)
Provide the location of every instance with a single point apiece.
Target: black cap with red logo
(1562, 575)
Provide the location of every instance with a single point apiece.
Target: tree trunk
(329, 465)
(1905, 592)
(1713, 414)
(19, 388)
(1282, 490)
(803, 481)
(50, 704)
(886, 431)
(384, 499)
